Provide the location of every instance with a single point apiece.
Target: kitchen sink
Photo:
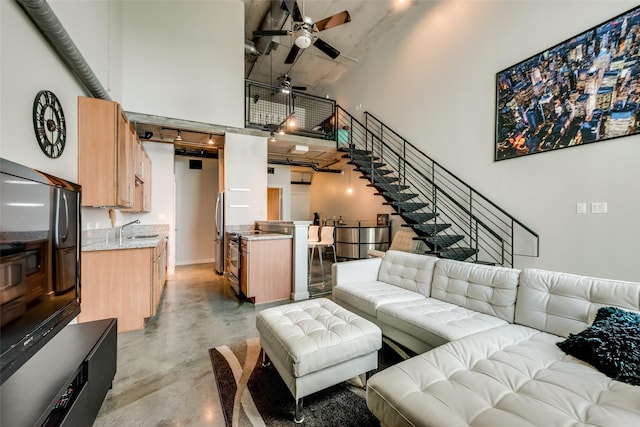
(144, 236)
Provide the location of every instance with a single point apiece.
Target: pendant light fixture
(178, 137)
(210, 139)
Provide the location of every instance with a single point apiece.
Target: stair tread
(431, 229)
(417, 217)
(360, 157)
(367, 165)
(458, 253)
(389, 187)
(408, 206)
(397, 196)
(381, 179)
(444, 240)
(373, 171)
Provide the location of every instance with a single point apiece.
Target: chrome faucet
(137, 221)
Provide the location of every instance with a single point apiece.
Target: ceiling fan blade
(288, 5)
(326, 48)
(270, 33)
(299, 87)
(333, 21)
(297, 15)
(292, 54)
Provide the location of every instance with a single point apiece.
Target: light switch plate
(581, 208)
(599, 207)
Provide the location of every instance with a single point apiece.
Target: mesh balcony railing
(268, 108)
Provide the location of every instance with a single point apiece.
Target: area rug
(255, 396)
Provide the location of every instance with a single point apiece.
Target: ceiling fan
(303, 30)
(286, 86)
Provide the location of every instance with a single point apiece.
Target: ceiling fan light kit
(304, 39)
(303, 31)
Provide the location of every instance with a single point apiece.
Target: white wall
(331, 199)
(184, 59)
(95, 28)
(245, 176)
(434, 81)
(196, 191)
(27, 65)
(301, 203)
(281, 178)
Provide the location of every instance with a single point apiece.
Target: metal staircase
(452, 219)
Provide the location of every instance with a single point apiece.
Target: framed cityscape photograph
(581, 91)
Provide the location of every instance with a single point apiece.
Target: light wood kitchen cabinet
(146, 188)
(126, 284)
(266, 269)
(159, 275)
(142, 189)
(105, 154)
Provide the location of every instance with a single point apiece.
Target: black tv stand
(65, 382)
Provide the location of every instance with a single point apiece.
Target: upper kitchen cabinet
(142, 172)
(109, 159)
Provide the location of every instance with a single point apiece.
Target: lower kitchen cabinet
(125, 283)
(266, 270)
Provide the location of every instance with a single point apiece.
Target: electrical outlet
(581, 208)
(599, 207)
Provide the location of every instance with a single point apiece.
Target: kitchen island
(266, 267)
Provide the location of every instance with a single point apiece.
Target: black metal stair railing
(449, 216)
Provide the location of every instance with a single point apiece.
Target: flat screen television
(39, 261)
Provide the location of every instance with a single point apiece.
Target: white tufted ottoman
(315, 344)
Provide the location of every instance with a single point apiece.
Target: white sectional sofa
(486, 343)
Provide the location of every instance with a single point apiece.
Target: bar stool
(326, 241)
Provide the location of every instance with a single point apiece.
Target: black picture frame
(583, 90)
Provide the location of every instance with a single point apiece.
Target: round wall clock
(49, 123)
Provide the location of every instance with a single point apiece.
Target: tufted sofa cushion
(507, 376)
(413, 272)
(562, 304)
(482, 288)
(435, 322)
(367, 297)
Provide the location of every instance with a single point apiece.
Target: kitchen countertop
(114, 244)
(266, 236)
(106, 239)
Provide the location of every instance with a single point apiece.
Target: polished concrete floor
(164, 375)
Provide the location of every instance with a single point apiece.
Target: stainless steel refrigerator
(219, 249)
(65, 240)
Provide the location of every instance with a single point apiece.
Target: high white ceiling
(370, 20)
